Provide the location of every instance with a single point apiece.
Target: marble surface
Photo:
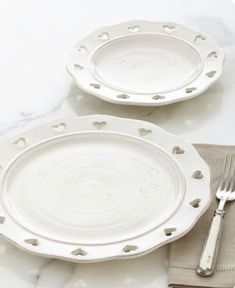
(36, 37)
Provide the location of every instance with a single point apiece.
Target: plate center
(93, 188)
(146, 63)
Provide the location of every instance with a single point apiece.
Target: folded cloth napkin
(184, 254)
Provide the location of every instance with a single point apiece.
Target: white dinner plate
(99, 187)
(146, 63)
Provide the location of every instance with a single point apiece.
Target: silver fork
(225, 192)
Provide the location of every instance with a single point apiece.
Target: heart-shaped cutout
(123, 96)
(195, 203)
(169, 231)
(99, 124)
(2, 219)
(79, 252)
(177, 150)
(129, 248)
(144, 131)
(168, 28)
(158, 97)
(20, 142)
(134, 28)
(212, 55)
(199, 39)
(82, 50)
(96, 86)
(33, 242)
(78, 67)
(60, 127)
(197, 174)
(104, 36)
(211, 74)
(190, 89)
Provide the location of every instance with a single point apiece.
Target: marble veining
(36, 37)
(18, 269)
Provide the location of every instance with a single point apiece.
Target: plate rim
(83, 77)
(106, 251)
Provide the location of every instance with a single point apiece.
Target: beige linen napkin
(184, 254)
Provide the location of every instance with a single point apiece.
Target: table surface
(36, 37)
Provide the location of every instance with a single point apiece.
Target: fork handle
(210, 250)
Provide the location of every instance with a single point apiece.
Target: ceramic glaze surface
(146, 63)
(26, 98)
(93, 188)
(99, 187)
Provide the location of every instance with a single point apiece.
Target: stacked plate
(100, 187)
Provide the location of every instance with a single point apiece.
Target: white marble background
(35, 39)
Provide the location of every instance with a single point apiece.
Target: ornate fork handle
(210, 250)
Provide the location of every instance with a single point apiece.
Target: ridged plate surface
(99, 187)
(146, 63)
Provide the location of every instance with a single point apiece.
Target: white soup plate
(146, 63)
